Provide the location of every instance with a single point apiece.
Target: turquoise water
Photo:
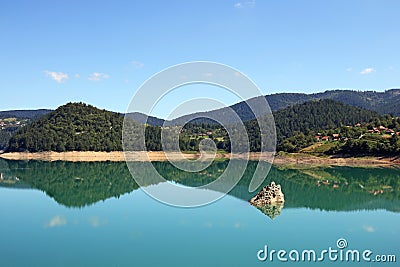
(93, 214)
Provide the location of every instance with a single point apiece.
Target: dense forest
(74, 126)
(318, 115)
(5, 136)
(296, 127)
(81, 127)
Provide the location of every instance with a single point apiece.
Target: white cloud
(369, 228)
(77, 75)
(56, 221)
(98, 76)
(238, 5)
(59, 77)
(367, 71)
(137, 64)
(243, 4)
(349, 69)
(96, 222)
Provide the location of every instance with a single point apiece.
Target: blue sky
(100, 52)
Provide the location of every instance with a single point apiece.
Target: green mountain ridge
(81, 127)
(381, 102)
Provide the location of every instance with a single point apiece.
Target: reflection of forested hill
(7, 179)
(341, 188)
(81, 184)
(349, 188)
(76, 184)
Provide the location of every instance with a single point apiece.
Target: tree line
(82, 127)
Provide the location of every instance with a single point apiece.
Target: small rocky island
(269, 200)
(270, 194)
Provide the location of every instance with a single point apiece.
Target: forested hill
(318, 115)
(74, 126)
(81, 127)
(310, 118)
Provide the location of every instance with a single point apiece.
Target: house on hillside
(317, 137)
(325, 138)
(358, 125)
(382, 128)
(335, 137)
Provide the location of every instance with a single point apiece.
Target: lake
(94, 214)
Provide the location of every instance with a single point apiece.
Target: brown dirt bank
(98, 156)
(291, 159)
(306, 159)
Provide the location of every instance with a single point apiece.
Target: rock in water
(270, 194)
(269, 200)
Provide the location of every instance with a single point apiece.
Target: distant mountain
(24, 114)
(381, 102)
(142, 118)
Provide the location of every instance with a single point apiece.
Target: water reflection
(271, 210)
(325, 188)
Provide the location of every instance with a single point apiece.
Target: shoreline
(118, 156)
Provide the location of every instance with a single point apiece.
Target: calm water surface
(93, 214)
